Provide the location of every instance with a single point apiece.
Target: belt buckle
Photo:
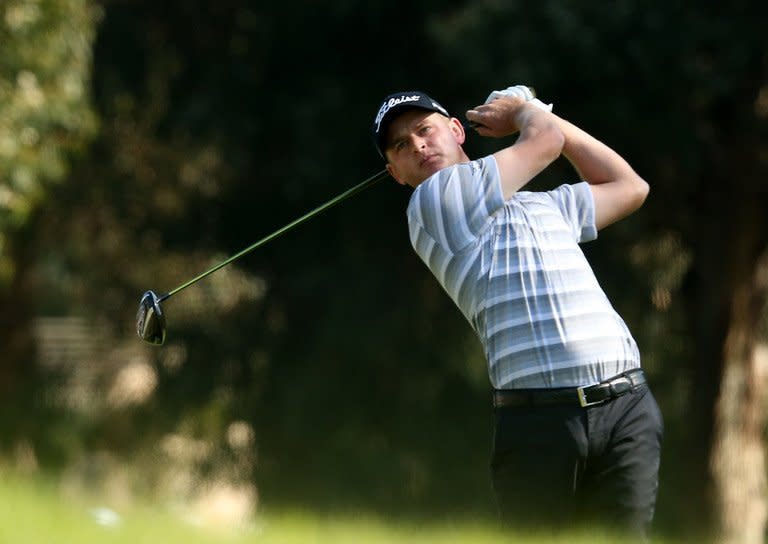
(583, 398)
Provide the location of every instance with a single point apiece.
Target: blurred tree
(45, 119)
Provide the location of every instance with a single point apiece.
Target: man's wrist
(526, 114)
(539, 104)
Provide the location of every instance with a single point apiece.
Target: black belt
(587, 395)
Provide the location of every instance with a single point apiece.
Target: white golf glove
(521, 91)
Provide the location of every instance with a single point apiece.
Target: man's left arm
(617, 189)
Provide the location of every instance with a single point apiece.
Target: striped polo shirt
(518, 275)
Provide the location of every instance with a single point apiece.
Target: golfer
(577, 432)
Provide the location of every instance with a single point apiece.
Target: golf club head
(150, 321)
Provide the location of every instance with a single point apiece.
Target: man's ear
(458, 130)
(393, 172)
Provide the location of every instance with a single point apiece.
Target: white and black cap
(395, 104)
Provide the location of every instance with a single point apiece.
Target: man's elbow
(555, 140)
(640, 190)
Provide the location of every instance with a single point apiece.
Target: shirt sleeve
(577, 205)
(454, 206)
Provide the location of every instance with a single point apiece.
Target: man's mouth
(429, 160)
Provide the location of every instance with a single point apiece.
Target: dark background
(218, 122)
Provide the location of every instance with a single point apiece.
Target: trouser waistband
(584, 396)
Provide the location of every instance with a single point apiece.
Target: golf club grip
(373, 180)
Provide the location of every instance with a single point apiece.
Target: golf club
(150, 319)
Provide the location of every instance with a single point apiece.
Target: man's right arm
(540, 142)
(617, 189)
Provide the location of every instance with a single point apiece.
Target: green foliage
(45, 113)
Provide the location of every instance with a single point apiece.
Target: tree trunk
(738, 452)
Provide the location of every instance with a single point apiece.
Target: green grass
(35, 512)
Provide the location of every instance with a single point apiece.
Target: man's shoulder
(455, 204)
(459, 171)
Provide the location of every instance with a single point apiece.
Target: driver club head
(150, 321)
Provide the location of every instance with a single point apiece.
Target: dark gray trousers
(561, 466)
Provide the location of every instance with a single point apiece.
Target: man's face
(420, 143)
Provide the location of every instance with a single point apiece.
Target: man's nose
(418, 143)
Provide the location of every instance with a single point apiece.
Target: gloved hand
(521, 91)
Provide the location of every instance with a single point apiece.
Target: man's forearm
(594, 161)
(616, 188)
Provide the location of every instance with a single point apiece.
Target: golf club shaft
(376, 178)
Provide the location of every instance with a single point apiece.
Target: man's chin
(431, 167)
(427, 170)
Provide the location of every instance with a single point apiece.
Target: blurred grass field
(34, 511)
